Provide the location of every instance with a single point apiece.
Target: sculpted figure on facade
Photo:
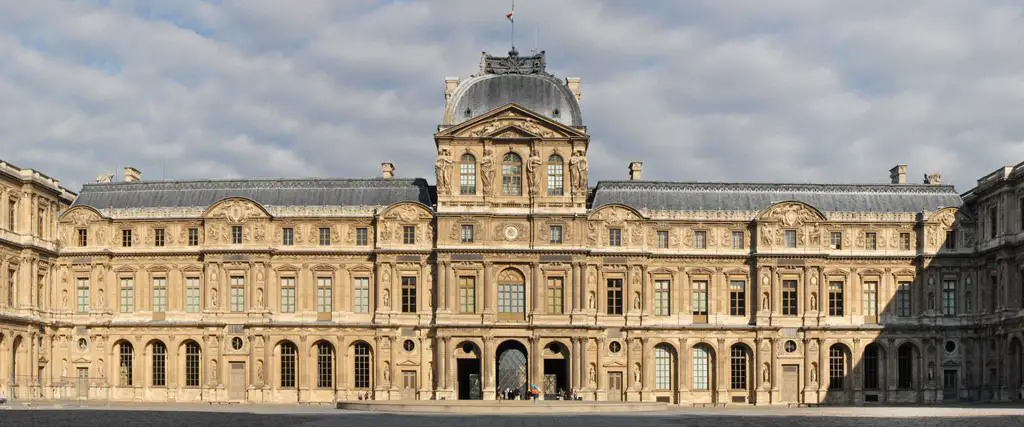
(487, 170)
(533, 167)
(578, 170)
(443, 170)
(259, 372)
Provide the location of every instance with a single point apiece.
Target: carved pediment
(236, 210)
(511, 121)
(80, 217)
(407, 213)
(615, 215)
(792, 214)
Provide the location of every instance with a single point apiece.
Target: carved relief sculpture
(443, 170)
(487, 170)
(533, 167)
(578, 171)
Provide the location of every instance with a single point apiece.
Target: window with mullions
(555, 234)
(949, 297)
(83, 237)
(789, 298)
(662, 239)
(159, 294)
(511, 296)
(836, 240)
(193, 236)
(361, 365)
(662, 297)
(325, 236)
(408, 294)
(737, 298)
(288, 364)
(287, 236)
(324, 365)
(512, 175)
(237, 294)
(836, 368)
(870, 298)
(737, 240)
(905, 241)
(193, 355)
(127, 295)
(467, 175)
(159, 364)
(663, 367)
(324, 294)
(903, 299)
(126, 357)
(790, 238)
(701, 368)
(870, 241)
(362, 236)
(835, 299)
(192, 295)
(236, 234)
(556, 177)
(362, 292)
(467, 233)
(409, 234)
(555, 294)
(467, 294)
(700, 298)
(83, 295)
(287, 294)
(158, 237)
(614, 296)
(700, 239)
(615, 237)
(126, 238)
(738, 362)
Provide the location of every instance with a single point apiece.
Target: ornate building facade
(512, 270)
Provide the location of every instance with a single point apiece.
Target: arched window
(159, 364)
(288, 364)
(663, 367)
(556, 181)
(126, 357)
(738, 362)
(324, 365)
(905, 366)
(836, 367)
(193, 354)
(467, 174)
(512, 175)
(361, 365)
(701, 368)
(871, 367)
(511, 295)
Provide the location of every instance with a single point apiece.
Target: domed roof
(513, 79)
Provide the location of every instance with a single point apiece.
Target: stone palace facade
(512, 270)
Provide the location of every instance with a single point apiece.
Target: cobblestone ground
(195, 416)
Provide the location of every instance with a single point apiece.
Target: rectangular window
(158, 237)
(555, 234)
(237, 294)
(236, 234)
(324, 295)
(700, 298)
(287, 236)
(701, 369)
(737, 240)
(192, 294)
(193, 236)
(993, 218)
(512, 300)
(467, 175)
(127, 295)
(737, 298)
(700, 239)
(362, 293)
(662, 297)
(870, 241)
(362, 236)
(467, 294)
(836, 240)
(555, 295)
(409, 234)
(949, 297)
(662, 239)
(905, 241)
(467, 233)
(12, 214)
(835, 299)
(287, 294)
(556, 180)
(614, 296)
(126, 238)
(325, 236)
(83, 237)
(11, 286)
(83, 295)
(40, 222)
(408, 294)
(159, 294)
(903, 298)
(870, 298)
(790, 238)
(614, 237)
(789, 298)
(950, 239)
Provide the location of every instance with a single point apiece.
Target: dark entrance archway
(512, 368)
(467, 366)
(556, 370)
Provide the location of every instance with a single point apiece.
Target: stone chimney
(933, 178)
(132, 175)
(105, 178)
(388, 169)
(574, 86)
(635, 169)
(898, 174)
(450, 83)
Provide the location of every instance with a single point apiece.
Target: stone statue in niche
(100, 302)
(259, 297)
(814, 372)
(590, 301)
(387, 298)
(766, 373)
(213, 371)
(636, 374)
(64, 298)
(387, 373)
(259, 372)
(578, 170)
(533, 167)
(443, 170)
(213, 297)
(814, 301)
(591, 376)
(636, 301)
(430, 374)
(764, 302)
(486, 170)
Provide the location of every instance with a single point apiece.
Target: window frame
(287, 291)
(790, 298)
(614, 294)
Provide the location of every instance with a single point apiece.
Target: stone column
(574, 289)
(442, 286)
(487, 364)
(488, 287)
(537, 289)
(574, 362)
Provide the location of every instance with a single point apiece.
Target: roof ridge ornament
(514, 64)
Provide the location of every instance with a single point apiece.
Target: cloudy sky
(700, 91)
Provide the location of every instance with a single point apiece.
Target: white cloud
(724, 90)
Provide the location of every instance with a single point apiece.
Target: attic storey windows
(615, 237)
(836, 240)
(362, 236)
(512, 175)
(905, 241)
(193, 236)
(790, 239)
(467, 233)
(287, 236)
(409, 234)
(236, 234)
(737, 240)
(467, 175)
(555, 234)
(700, 239)
(83, 237)
(126, 238)
(158, 237)
(325, 236)
(662, 239)
(870, 240)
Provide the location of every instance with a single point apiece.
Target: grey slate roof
(271, 192)
(685, 196)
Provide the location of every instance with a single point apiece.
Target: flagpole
(513, 19)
